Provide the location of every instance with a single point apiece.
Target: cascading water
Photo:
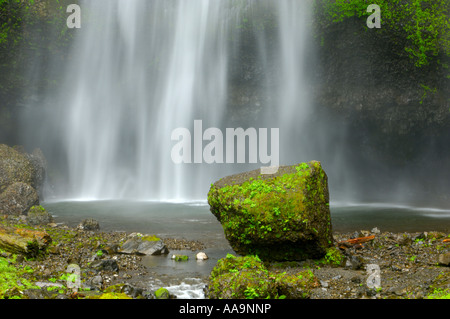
(140, 69)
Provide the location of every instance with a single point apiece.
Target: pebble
(444, 259)
(201, 256)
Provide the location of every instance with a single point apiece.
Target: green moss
(248, 278)
(439, 294)
(296, 286)
(114, 295)
(150, 238)
(114, 288)
(276, 209)
(12, 281)
(333, 257)
(420, 25)
(162, 293)
(241, 278)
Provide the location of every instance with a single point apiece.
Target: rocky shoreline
(411, 266)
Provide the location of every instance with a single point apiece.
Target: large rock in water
(284, 216)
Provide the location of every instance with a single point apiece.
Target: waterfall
(140, 69)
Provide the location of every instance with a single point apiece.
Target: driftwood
(354, 241)
(24, 241)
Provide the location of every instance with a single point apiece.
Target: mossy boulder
(162, 293)
(38, 215)
(283, 216)
(248, 278)
(241, 278)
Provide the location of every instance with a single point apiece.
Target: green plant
(439, 293)
(12, 281)
(422, 26)
(251, 293)
(333, 257)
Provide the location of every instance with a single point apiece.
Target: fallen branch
(355, 241)
(24, 241)
(446, 240)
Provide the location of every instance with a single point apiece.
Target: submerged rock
(89, 224)
(284, 216)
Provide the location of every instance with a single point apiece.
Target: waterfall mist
(137, 70)
(140, 69)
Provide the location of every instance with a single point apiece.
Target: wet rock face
(14, 168)
(284, 216)
(17, 199)
(21, 179)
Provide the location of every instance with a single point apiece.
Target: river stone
(18, 198)
(89, 224)
(140, 246)
(283, 216)
(105, 265)
(444, 259)
(201, 256)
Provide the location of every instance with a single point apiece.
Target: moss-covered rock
(284, 216)
(38, 215)
(248, 278)
(241, 278)
(296, 286)
(162, 293)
